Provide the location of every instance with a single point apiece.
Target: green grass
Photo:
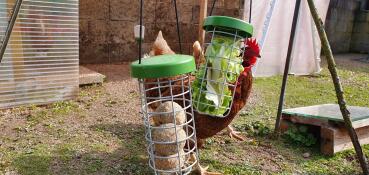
(33, 161)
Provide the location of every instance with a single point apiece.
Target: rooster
(206, 125)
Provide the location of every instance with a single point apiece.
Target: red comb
(252, 44)
(252, 52)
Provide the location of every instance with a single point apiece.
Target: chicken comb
(252, 44)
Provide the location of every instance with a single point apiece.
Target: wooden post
(287, 66)
(203, 14)
(338, 87)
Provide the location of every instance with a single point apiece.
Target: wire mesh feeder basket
(167, 112)
(216, 79)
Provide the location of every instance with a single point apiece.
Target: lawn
(101, 132)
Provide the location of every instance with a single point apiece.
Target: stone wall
(347, 26)
(340, 23)
(360, 34)
(106, 26)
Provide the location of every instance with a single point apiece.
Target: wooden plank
(334, 140)
(285, 125)
(342, 139)
(202, 16)
(322, 122)
(334, 137)
(88, 76)
(303, 120)
(327, 141)
(360, 123)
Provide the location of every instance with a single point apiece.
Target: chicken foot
(234, 134)
(199, 170)
(203, 171)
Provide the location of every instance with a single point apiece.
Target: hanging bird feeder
(216, 79)
(167, 112)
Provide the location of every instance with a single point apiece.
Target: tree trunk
(338, 87)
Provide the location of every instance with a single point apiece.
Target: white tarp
(306, 50)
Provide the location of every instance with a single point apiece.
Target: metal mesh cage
(170, 127)
(216, 79)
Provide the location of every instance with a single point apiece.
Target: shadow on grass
(130, 158)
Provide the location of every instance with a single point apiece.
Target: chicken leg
(234, 134)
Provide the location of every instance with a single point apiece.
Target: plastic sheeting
(41, 61)
(307, 47)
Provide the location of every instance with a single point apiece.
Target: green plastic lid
(163, 66)
(229, 24)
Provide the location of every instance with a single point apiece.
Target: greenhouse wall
(41, 61)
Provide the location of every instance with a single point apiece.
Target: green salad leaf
(210, 91)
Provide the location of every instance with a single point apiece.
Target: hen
(208, 126)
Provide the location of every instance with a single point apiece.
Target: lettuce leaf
(212, 95)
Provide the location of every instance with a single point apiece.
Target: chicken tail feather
(198, 53)
(160, 46)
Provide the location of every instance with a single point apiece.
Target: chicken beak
(259, 56)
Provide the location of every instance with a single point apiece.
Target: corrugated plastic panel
(40, 64)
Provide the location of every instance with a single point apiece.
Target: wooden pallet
(333, 135)
(88, 76)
